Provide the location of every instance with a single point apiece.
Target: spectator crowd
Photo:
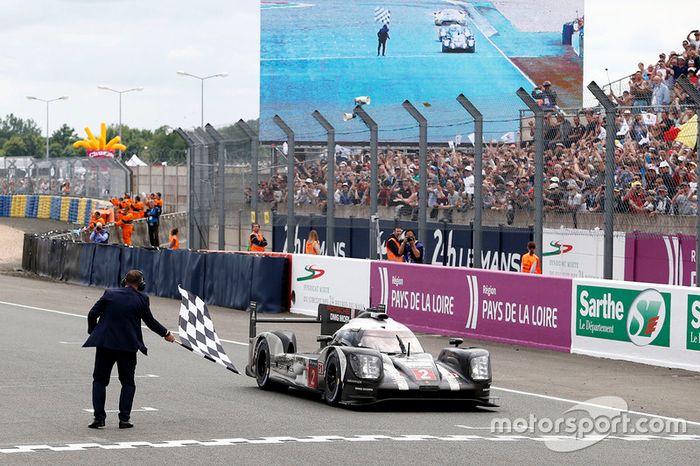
(655, 172)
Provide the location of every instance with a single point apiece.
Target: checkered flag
(382, 15)
(197, 332)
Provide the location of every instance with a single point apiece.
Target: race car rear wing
(331, 318)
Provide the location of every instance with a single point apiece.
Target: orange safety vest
(255, 247)
(138, 210)
(175, 242)
(158, 203)
(390, 256)
(310, 247)
(531, 264)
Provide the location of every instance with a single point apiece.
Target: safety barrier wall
(640, 322)
(447, 244)
(651, 324)
(229, 280)
(66, 209)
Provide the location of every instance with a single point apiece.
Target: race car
(458, 39)
(371, 358)
(450, 16)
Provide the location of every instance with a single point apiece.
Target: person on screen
(382, 36)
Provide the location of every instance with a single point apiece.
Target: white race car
(450, 16)
(457, 39)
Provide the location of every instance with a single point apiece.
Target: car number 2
(424, 374)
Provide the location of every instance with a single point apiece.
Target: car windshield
(385, 341)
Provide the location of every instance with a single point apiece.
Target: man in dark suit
(114, 325)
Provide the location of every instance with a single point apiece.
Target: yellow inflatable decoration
(99, 147)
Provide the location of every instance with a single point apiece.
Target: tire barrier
(74, 210)
(224, 279)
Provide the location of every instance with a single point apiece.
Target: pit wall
(646, 323)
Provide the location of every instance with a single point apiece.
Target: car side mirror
(456, 342)
(324, 340)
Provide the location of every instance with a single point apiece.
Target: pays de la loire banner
(511, 308)
(652, 324)
(328, 280)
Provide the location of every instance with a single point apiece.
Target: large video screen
(323, 54)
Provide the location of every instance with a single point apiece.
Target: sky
(69, 47)
(622, 33)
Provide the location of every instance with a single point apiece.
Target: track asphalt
(188, 410)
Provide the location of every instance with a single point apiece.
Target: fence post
(254, 162)
(422, 171)
(207, 195)
(291, 221)
(477, 226)
(611, 130)
(221, 153)
(539, 165)
(330, 175)
(193, 240)
(695, 97)
(373, 175)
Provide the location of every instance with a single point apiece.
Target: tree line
(21, 137)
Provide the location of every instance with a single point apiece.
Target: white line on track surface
(508, 390)
(320, 439)
(142, 409)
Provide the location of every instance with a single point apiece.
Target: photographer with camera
(411, 249)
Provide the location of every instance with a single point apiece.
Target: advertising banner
(667, 259)
(569, 252)
(652, 324)
(502, 247)
(328, 280)
(505, 307)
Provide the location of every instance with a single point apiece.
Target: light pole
(47, 102)
(133, 89)
(202, 79)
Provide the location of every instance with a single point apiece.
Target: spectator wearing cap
(574, 199)
(662, 203)
(553, 198)
(635, 199)
(680, 68)
(692, 76)
(667, 177)
(342, 196)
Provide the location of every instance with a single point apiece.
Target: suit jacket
(114, 322)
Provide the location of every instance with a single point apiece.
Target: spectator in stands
(660, 95)
(99, 235)
(694, 39)
(683, 202)
(662, 203)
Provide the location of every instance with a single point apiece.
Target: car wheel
(334, 384)
(262, 365)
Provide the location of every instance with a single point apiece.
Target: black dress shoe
(97, 424)
(125, 425)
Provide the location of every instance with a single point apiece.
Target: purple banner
(507, 307)
(667, 259)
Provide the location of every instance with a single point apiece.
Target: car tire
(333, 378)
(262, 365)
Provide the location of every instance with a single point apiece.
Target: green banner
(693, 339)
(639, 317)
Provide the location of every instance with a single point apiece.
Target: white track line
(566, 400)
(508, 390)
(44, 448)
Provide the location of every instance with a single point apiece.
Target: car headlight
(366, 366)
(479, 368)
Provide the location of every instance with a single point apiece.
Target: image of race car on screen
(369, 359)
